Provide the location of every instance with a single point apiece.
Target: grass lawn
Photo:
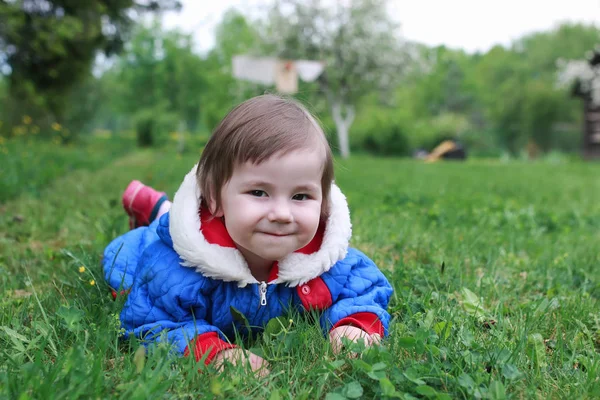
(29, 163)
(495, 270)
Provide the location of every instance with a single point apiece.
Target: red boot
(142, 203)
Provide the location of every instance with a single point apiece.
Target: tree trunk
(343, 121)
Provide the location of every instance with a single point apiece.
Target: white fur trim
(228, 264)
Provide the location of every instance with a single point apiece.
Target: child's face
(273, 209)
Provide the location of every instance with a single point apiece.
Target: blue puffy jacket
(185, 279)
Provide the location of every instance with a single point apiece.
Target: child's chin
(274, 256)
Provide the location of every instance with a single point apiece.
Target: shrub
(153, 125)
(426, 134)
(380, 130)
(387, 140)
(145, 126)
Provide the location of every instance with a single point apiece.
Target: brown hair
(254, 131)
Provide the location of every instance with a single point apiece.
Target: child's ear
(212, 207)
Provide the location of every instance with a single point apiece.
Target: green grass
(29, 164)
(494, 268)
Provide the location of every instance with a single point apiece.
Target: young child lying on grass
(257, 224)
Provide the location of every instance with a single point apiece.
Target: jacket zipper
(263, 293)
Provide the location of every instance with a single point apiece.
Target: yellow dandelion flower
(27, 119)
(81, 269)
(92, 282)
(56, 126)
(18, 130)
(2, 140)
(35, 130)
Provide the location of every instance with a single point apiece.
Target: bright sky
(468, 24)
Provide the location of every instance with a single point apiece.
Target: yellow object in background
(440, 150)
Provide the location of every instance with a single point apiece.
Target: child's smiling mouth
(276, 234)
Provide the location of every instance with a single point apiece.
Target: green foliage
(429, 133)
(447, 87)
(569, 41)
(28, 163)
(507, 95)
(381, 130)
(152, 126)
(159, 73)
(501, 101)
(50, 45)
(234, 35)
(161, 82)
(3, 87)
(84, 102)
(145, 128)
(391, 140)
(542, 109)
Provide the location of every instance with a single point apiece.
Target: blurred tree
(568, 41)
(84, 100)
(499, 78)
(445, 86)
(161, 79)
(517, 86)
(109, 113)
(541, 111)
(233, 35)
(49, 45)
(357, 40)
(509, 93)
(180, 74)
(545, 52)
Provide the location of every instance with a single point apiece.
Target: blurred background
(512, 79)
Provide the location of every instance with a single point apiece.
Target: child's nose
(280, 212)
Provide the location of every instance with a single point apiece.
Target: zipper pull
(263, 293)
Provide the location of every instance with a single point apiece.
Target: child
(257, 225)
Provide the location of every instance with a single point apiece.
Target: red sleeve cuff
(366, 321)
(210, 343)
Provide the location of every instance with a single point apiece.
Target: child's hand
(353, 334)
(258, 364)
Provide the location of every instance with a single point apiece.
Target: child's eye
(258, 193)
(301, 196)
